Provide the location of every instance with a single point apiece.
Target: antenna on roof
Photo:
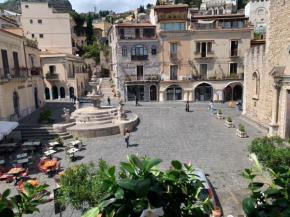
(95, 9)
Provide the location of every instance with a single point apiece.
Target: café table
(8, 145)
(21, 155)
(2, 162)
(72, 151)
(49, 153)
(36, 143)
(74, 143)
(24, 160)
(31, 181)
(15, 172)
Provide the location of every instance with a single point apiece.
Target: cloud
(83, 6)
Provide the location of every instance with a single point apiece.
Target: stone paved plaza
(166, 131)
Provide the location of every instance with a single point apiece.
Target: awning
(6, 127)
(205, 21)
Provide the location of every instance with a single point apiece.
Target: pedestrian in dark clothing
(75, 98)
(136, 100)
(127, 136)
(187, 106)
(109, 101)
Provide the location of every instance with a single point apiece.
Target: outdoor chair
(20, 183)
(57, 180)
(80, 146)
(45, 171)
(25, 148)
(19, 166)
(54, 159)
(56, 168)
(3, 176)
(25, 174)
(10, 178)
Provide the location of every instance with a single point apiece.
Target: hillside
(59, 5)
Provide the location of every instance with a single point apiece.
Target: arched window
(139, 52)
(154, 50)
(256, 85)
(221, 10)
(124, 51)
(260, 11)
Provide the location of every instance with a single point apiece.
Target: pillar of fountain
(96, 94)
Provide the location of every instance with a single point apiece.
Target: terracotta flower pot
(216, 213)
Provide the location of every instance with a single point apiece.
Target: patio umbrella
(6, 127)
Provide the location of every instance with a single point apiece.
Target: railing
(11, 74)
(36, 71)
(52, 76)
(135, 57)
(138, 38)
(235, 53)
(173, 56)
(148, 77)
(173, 77)
(204, 54)
(31, 43)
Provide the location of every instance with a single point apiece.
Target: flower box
(220, 116)
(241, 134)
(229, 124)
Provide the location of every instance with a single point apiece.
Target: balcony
(198, 55)
(32, 43)
(174, 58)
(8, 75)
(141, 78)
(36, 71)
(144, 37)
(142, 57)
(52, 77)
(235, 54)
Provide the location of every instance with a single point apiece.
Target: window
(233, 68)
(172, 26)
(140, 73)
(122, 34)
(148, 33)
(32, 35)
(205, 26)
(31, 21)
(234, 48)
(32, 61)
(5, 62)
(16, 63)
(41, 36)
(215, 11)
(210, 12)
(256, 85)
(203, 70)
(209, 47)
(26, 6)
(173, 51)
(124, 51)
(173, 72)
(154, 50)
(203, 48)
(221, 11)
(51, 69)
(260, 11)
(226, 25)
(139, 52)
(197, 47)
(40, 21)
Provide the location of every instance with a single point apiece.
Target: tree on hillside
(90, 32)
(242, 3)
(141, 9)
(148, 6)
(157, 2)
(79, 20)
(92, 51)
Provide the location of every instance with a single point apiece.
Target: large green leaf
(249, 206)
(111, 171)
(106, 184)
(141, 187)
(6, 193)
(255, 186)
(92, 212)
(107, 202)
(7, 212)
(123, 211)
(127, 183)
(152, 163)
(137, 162)
(29, 189)
(176, 164)
(127, 167)
(119, 194)
(272, 191)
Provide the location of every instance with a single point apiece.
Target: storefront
(203, 92)
(174, 92)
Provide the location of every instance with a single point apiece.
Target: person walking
(75, 98)
(109, 101)
(127, 136)
(187, 106)
(137, 101)
(211, 107)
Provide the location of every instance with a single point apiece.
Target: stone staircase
(107, 90)
(98, 117)
(44, 132)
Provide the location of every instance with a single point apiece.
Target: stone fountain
(97, 120)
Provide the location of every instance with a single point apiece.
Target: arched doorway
(16, 103)
(36, 97)
(47, 93)
(153, 93)
(54, 92)
(62, 92)
(71, 92)
(174, 92)
(237, 93)
(203, 92)
(228, 93)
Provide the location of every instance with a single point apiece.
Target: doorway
(62, 92)
(134, 91)
(228, 93)
(174, 92)
(36, 97)
(71, 93)
(137, 33)
(16, 103)
(54, 92)
(237, 93)
(153, 93)
(203, 92)
(47, 93)
(140, 73)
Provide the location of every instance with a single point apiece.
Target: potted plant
(241, 131)
(216, 212)
(229, 123)
(220, 115)
(45, 116)
(59, 140)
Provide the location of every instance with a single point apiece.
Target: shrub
(241, 128)
(45, 115)
(220, 112)
(229, 119)
(271, 151)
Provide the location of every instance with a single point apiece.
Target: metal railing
(11, 74)
(204, 54)
(235, 53)
(135, 57)
(52, 76)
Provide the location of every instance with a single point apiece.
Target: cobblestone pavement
(166, 131)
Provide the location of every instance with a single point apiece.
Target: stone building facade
(135, 66)
(267, 70)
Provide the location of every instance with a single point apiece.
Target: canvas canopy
(6, 127)
(205, 21)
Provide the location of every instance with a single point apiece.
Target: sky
(115, 5)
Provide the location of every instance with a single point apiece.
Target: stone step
(94, 122)
(47, 137)
(94, 119)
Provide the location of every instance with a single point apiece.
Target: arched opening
(228, 93)
(54, 92)
(16, 103)
(256, 84)
(237, 93)
(153, 93)
(36, 97)
(71, 93)
(203, 92)
(174, 92)
(62, 92)
(47, 93)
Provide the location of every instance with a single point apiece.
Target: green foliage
(157, 2)
(242, 4)
(241, 128)
(143, 185)
(103, 13)
(148, 6)
(92, 51)
(273, 200)
(81, 185)
(141, 9)
(220, 112)
(23, 203)
(90, 32)
(45, 115)
(271, 151)
(79, 20)
(59, 140)
(229, 119)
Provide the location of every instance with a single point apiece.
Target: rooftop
(134, 24)
(171, 6)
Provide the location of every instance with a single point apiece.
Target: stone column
(162, 96)
(50, 93)
(191, 96)
(185, 95)
(275, 106)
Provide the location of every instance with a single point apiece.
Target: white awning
(6, 127)
(205, 21)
